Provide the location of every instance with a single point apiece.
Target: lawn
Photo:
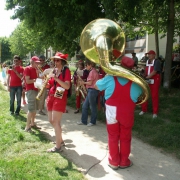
(23, 155)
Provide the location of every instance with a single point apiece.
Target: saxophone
(81, 88)
(38, 97)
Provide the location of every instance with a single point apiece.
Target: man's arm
(8, 79)
(95, 87)
(29, 81)
(151, 74)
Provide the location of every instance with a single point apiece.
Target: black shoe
(77, 111)
(12, 113)
(17, 114)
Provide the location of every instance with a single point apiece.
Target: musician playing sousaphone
(102, 40)
(59, 82)
(30, 75)
(80, 74)
(42, 67)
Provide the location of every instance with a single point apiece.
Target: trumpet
(81, 88)
(44, 85)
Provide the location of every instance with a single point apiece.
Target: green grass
(23, 156)
(164, 131)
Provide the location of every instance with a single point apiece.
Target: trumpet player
(57, 97)
(30, 76)
(83, 73)
(43, 66)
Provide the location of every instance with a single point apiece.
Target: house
(142, 44)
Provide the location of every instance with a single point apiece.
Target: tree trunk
(156, 35)
(169, 46)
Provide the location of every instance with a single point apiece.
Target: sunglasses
(56, 60)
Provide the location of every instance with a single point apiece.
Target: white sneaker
(90, 124)
(80, 123)
(154, 116)
(141, 113)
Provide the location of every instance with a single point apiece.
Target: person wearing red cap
(153, 74)
(121, 96)
(83, 73)
(30, 76)
(59, 81)
(14, 84)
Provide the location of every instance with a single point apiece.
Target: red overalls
(120, 120)
(154, 88)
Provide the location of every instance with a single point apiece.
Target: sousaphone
(102, 41)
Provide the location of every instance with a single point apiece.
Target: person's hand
(8, 88)
(81, 82)
(51, 75)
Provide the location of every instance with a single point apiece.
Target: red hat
(60, 55)
(151, 52)
(35, 59)
(127, 62)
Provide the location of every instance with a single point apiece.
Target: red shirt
(14, 79)
(67, 77)
(31, 72)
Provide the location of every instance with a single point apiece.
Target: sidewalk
(86, 146)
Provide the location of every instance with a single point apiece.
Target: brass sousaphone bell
(102, 41)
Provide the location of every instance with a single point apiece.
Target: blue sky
(7, 25)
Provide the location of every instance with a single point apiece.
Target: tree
(24, 40)
(5, 49)
(61, 22)
(154, 16)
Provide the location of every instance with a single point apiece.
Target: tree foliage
(5, 50)
(24, 40)
(61, 22)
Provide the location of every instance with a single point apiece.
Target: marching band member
(153, 75)
(121, 95)
(43, 65)
(91, 97)
(83, 73)
(30, 76)
(14, 84)
(57, 97)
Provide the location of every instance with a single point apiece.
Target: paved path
(86, 146)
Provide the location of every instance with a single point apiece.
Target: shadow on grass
(69, 167)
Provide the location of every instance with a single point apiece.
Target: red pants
(78, 101)
(119, 141)
(154, 89)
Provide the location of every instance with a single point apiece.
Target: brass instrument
(81, 88)
(102, 41)
(41, 71)
(44, 85)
